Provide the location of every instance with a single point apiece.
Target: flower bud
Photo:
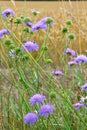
(48, 61)
(68, 22)
(64, 30)
(8, 42)
(53, 95)
(71, 36)
(45, 48)
(18, 20)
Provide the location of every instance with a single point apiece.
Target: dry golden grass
(60, 11)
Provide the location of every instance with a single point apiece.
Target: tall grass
(27, 73)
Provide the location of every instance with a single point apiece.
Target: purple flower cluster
(70, 52)
(7, 12)
(81, 103)
(78, 105)
(4, 31)
(29, 24)
(84, 87)
(41, 24)
(57, 72)
(30, 118)
(30, 46)
(71, 63)
(37, 98)
(80, 59)
(45, 109)
(77, 60)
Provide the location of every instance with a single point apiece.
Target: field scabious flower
(70, 52)
(71, 63)
(80, 59)
(4, 31)
(84, 87)
(30, 46)
(37, 98)
(7, 12)
(11, 53)
(46, 109)
(29, 24)
(30, 118)
(42, 24)
(78, 105)
(57, 72)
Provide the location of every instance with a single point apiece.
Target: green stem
(44, 43)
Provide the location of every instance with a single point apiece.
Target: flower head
(30, 118)
(45, 110)
(70, 63)
(70, 52)
(41, 24)
(78, 105)
(82, 99)
(4, 31)
(57, 72)
(80, 59)
(68, 22)
(7, 12)
(29, 24)
(37, 98)
(30, 46)
(11, 53)
(71, 36)
(35, 12)
(64, 30)
(84, 87)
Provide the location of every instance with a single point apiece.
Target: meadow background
(17, 77)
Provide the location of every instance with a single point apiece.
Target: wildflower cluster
(20, 46)
(45, 110)
(83, 100)
(29, 28)
(75, 60)
(78, 60)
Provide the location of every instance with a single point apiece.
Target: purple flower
(7, 12)
(30, 46)
(4, 31)
(80, 58)
(11, 53)
(37, 98)
(70, 63)
(84, 87)
(82, 99)
(78, 105)
(57, 72)
(30, 118)
(70, 52)
(41, 24)
(29, 24)
(45, 110)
